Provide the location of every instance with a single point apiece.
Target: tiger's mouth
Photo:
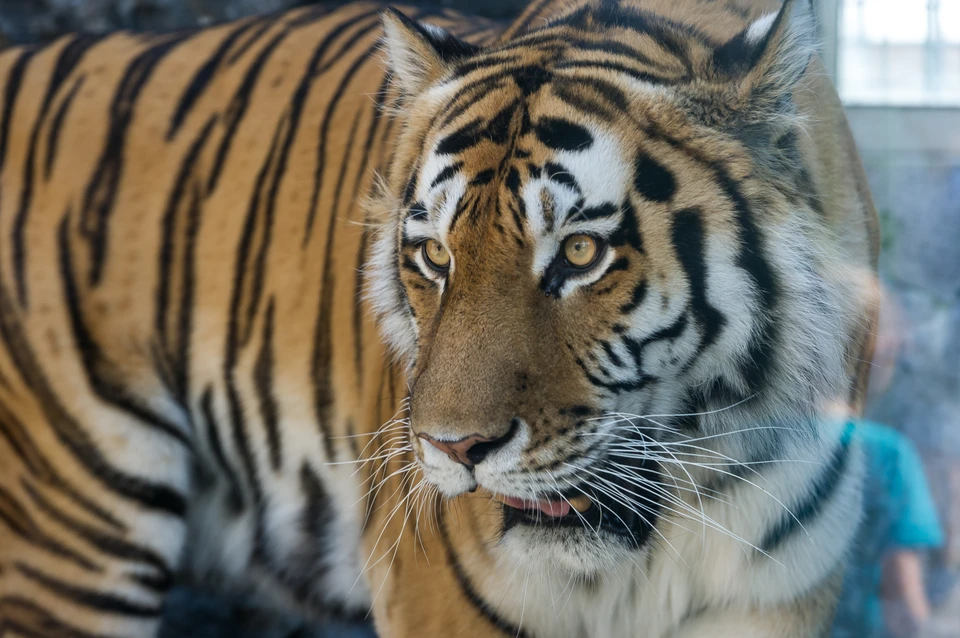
(572, 506)
(623, 509)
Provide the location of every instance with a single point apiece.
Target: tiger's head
(599, 247)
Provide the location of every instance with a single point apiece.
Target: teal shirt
(898, 514)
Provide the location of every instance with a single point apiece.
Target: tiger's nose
(471, 450)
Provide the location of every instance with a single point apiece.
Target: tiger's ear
(770, 56)
(419, 53)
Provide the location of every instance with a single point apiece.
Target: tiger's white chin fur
(564, 553)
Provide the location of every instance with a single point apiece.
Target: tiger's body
(195, 255)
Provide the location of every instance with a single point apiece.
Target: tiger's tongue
(550, 508)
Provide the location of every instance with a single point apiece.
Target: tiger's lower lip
(555, 509)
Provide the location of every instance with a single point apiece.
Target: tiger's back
(183, 341)
(191, 374)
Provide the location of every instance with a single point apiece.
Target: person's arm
(905, 604)
(915, 531)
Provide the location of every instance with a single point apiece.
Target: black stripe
(497, 129)
(70, 56)
(170, 224)
(465, 137)
(669, 34)
(607, 65)
(238, 108)
(463, 205)
(496, 60)
(302, 92)
(611, 354)
(112, 546)
(250, 264)
(98, 201)
(56, 126)
(240, 319)
(611, 48)
(97, 601)
(819, 494)
(532, 13)
(201, 79)
(245, 46)
(447, 173)
(235, 499)
(596, 212)
(752, 260)
(318, 513)
(185, 320)
(563, 135)
(40, 468)
(483, 178)
(628, 233)
(559, 174)
(68, 60)
(69, 432)
(576, 97)
(23, 617)
(518, 212)
(248, 283)
(98, 370)
(377, 467)
(263, 384)
(688, 240)
(466, 97)
(640, 381)
(608, 90)
(10, 92)
(18, 521)
(653, 180)
(621, 263)
(484, 608)
(669, 333)
(323, 332)
(358, 307)
(636, 298)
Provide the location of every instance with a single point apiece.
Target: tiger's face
(571, 270)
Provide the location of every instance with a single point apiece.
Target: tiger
(554, 328)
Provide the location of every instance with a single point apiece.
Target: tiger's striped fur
(223, 354)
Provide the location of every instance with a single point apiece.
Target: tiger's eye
(580, 250)
(436, 255)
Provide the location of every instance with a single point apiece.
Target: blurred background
(896, 64)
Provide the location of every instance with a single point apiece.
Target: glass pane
(900, 52)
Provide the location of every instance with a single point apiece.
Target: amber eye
(436, 255)
(580, 251)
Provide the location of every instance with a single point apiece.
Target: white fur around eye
(441, 200)
(596, 227)
(418, 229)
(600, 171)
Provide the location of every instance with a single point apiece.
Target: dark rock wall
(38, 20)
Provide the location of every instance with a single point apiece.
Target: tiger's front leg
(92, 505)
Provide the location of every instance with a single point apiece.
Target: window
(899, 52)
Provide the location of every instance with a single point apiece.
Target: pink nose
(468, 451)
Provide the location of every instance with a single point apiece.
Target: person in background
(884, 595)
